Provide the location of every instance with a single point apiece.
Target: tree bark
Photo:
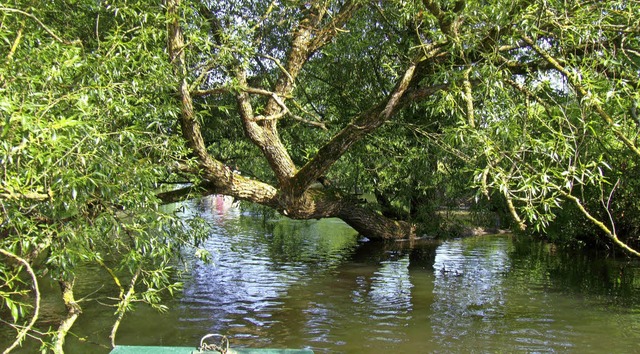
(352, 133)
(376, 226)
(292, 196)
(73, 311)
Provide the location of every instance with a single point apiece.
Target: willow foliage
(87, 120)
(531, 105)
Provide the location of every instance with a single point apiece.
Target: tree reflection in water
(469, 297)
(281, 283)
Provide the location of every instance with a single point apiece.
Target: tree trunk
(375, 226)
(292, 195)
(315, 204)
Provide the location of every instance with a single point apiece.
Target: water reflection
(498, 297)
(468, 288)
(391, 293)
(292, 284)
(246, 292)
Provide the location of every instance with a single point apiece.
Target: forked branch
(608, 232)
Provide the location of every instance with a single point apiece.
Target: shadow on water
(291, 284)
(613, 280)
(504, 294)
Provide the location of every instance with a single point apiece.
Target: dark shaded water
(311, 284)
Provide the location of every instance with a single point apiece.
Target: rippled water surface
(295, 284)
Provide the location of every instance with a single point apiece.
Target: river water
(314, 284)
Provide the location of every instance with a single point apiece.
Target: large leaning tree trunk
(291, 196)
(479, 76)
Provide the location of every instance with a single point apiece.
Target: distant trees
(418, 103)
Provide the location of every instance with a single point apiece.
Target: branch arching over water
(36, 307)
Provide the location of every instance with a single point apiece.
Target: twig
(205, 71)
(599, 224)
(582, 91)
(22, 333)
(607, 205)
(285, 109)
(264, 17)
(33, 17)
(213, 91)
(279, 65)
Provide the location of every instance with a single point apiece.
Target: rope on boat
(222, 347)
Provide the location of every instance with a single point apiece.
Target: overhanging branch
(36, 308)
(583, 92)
(352, 133)
(41, 24)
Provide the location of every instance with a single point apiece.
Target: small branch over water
(36, 307)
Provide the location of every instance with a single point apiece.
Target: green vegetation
(527, 109)
(87, 113)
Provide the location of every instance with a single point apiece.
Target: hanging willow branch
(36, 307)
(41, 24)
(610, 234)
(582, 91)
(125, 301)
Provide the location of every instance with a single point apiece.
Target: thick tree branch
(514, 213)
(307, 37)
(15, 44)
(448, 20)
(18, 195)
(352, 133)
(468, 97)
(264, 135)
(190, 126)
(212, 170)
(329, 31)
(362, 219)
(209, 92)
